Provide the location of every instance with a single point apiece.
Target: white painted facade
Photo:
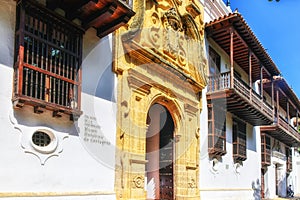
(223, 179)
(226, 179)
(79, 162)
(296, 171)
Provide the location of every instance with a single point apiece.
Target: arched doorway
(160, 153)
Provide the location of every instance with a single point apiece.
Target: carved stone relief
(160, 60)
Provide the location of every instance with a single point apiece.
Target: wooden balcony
(283, 131)
(239, 99)
(104, 15)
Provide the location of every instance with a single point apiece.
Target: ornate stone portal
(159, 60)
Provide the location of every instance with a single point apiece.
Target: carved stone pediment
(170, 31)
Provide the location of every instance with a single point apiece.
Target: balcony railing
(284, 125)
(222, 82)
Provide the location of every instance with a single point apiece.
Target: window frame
(265, 149)
(216, 133)
(239, 140)
(48, 56)
(289, 159)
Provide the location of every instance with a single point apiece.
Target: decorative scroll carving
(43, 153)
(192, 183)
(137, 22)
(139, 181)
(171, 36)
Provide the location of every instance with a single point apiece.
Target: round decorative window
(41, 139)
(44, 141)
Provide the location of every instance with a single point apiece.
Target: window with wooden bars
(47, 72)
(289, 161)
(265, 150)
(216, 130)
(239, 140)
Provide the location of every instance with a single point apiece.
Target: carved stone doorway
(160, 153)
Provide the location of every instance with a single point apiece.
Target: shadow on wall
(252, 139)
(26, 118)
(267, 193)
(106, 85)
(282, 187)
(98, 79)
(256, 189)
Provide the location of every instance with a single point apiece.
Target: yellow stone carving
(159, 59)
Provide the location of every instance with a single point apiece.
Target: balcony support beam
(231, 58)
(277, 103)
(297, 120)
(288, 109)
(288, 99)
(250, 73)
(273, 106)
(261, 83)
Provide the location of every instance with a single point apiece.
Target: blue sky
(277, 27)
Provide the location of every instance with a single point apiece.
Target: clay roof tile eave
(237, 18)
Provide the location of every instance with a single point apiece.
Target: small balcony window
(265, 150)
(239, 140)
(47, 72)
(289, 161)
(216, 130)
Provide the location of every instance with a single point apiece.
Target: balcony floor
(236, 104)
(279, 133)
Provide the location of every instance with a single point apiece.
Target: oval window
(41, 139)
(44, 141)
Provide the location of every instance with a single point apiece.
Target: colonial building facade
(249, 121)
(58, 100)
(141, 99)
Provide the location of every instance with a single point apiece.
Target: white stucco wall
(296, 171)
(81, 166)
(214, 9)
(227, 181)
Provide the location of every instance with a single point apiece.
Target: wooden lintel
(57, 113)
(73, 12)
(18, 103)
(38, 109)
(101, 16)
(108, 28)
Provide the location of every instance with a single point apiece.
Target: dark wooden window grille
(48, 52)
(216, 130)
(239, 140)
(41, 139)
(265, 150)
(289, 161)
